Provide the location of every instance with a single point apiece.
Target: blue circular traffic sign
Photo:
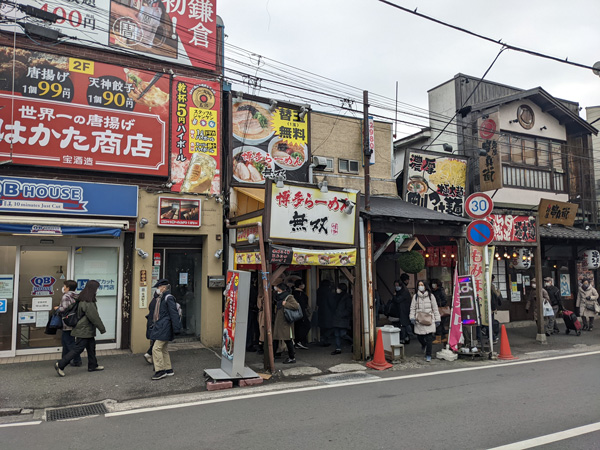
(480, 233)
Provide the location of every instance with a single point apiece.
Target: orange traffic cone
(379, 362)
(505, 346)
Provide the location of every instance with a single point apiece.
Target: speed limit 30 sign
(479, 205)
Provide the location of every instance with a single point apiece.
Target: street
(469, 408)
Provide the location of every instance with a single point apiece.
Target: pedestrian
(342, 317)
(425, 317)
(148, 354)
(440, 298)
(495, 304)
(400, 307)
(586, 298)
(252, 329)
(85, 330)
(555, 301)
(532, 303)
(282, 329)
(165, 324)
(68, 342)
(325, 311)
(302, 326)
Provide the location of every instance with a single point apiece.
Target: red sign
(509, 228)
(80, 114)
(487, 129)
(195, 154)
(178, 212)
(480, 233)
(230, 314)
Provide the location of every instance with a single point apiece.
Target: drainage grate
(340, 378)
(74, 412)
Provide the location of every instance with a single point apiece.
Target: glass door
(41, 276)
(7, 292)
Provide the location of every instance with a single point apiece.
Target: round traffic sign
(487, 129)
(479, 205)
(480, 233)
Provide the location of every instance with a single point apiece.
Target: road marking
(549, 438)
(19, 424)
(335, 386)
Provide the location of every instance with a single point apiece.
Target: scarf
(156, 314)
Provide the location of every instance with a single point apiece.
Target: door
(41, 276)
(7, 301)
(182, 269)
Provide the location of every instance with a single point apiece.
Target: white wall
(510, 197)
(592, 113)
(442, 106)
(554, 130)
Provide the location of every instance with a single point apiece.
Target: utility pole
(369, 235)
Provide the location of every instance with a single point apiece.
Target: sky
(369, 45)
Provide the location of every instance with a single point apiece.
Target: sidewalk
(35, 384)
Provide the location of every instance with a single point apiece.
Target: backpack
(179, 311)
(71, 315)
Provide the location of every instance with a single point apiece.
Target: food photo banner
(307, 214)
(436, 182)
(81, 114)
(173, 31)
(306, 257)
(179, 212)
(195, 136)
(269, 141)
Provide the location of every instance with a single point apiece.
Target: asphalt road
(470, 409)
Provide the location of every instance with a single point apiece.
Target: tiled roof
(560, 232)
(395, 207)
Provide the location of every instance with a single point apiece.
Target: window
(347, 165)
(329, 167)
(557, 159)
(539, 152)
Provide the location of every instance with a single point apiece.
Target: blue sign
(33, 195)
(480, 233)
(2, 305)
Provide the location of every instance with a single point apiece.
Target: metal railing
(529, 178)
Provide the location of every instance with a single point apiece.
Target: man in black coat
(325, 310)
(400, 306)
(555, 301)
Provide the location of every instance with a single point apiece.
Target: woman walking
(425, 317)
(282, 329)
(342, 317)
(85, 330)
(586, 297)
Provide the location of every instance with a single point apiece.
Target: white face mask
(64, 289)
(339, 291)
(434, 286)
(421, 288)
(398, 288)
(533, 285)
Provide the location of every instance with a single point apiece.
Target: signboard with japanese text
(179, 212)
(371, 123)
(270, 141)
(551, 211)
(305, 257)
(490, 165)
(477, 273)
(436, 182)
(107, 284)
(509, 228)
(74, 114)
(173, 31)
(233, 348)
(39, 196)
(195, 136)
(307, 214)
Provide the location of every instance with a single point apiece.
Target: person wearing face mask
(586, 297)
(400, 307)
(532, 302)
(425, 317)
(555, 301)
(282, 329)
(440, 298)
(68, 341)
(342, 317)
(148, 354)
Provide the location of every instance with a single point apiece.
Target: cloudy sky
(366, 44)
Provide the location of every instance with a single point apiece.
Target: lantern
(523, 259)
(591, 259)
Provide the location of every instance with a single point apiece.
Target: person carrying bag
(425, 317)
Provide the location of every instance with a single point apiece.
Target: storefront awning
(56, 226)
(559, 232)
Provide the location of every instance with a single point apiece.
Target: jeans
(339, 334)
(68, 343)
(81, 344)
(426, 340)
(160, 356)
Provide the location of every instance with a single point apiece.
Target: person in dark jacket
(325, 311)
(85, 330)
(165, 324)
(342, 317)
(555, 301)
(148, 354)
(440, 298)
(282, 329)
(302, 326)
(400, 308)
(68, 342)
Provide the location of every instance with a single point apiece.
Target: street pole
(369, 235)
(541, 332)
(488, 294)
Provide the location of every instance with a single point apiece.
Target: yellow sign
(81, 66)
(289, 127)
(247, 258)
(203, 131)
(335, 258)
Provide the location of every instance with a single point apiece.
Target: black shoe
(76, 364)
(159, 375)
(547, 334)
(337, 351)
(169, 372)
(290, 361)
(96, 369)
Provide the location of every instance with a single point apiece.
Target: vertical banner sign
(436, 182)
(455, 333)
(372, 140)
(477, 272)
(490, 165)
(195, 153)
(233, 349)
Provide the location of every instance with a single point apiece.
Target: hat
(404, 277)
(161, 282)
(548, 279)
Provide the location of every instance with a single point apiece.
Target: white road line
(19, 424)
(549, 438)
(334, 386)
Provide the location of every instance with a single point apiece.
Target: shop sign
(436, 182)
(490, 165)
(98, 119)
(509, 228)
(39, 196)
(551, 211)
(371, 140)
(268, 142)
(477, 272)
(107, 286)
(307, 214)
(6, 286)
(42, 285)
(173, 31)
(305, 257)
(3, 302)
(248, 258)
(195, 134)
(178, 212)
(592, 259)
(233, 348)
(469, 307)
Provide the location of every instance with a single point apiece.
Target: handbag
(548, 311)
(56, 321)
(444, 311)
(424, 318)
(292, 315)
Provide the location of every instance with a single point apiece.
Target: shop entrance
(41, 273)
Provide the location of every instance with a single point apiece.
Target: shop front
(82, 239)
